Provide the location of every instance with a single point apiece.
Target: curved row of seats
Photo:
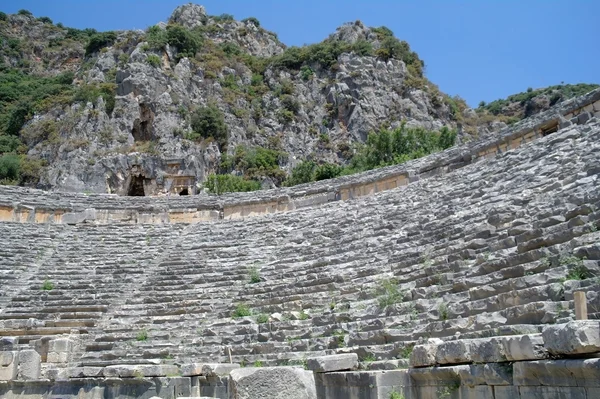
(495, 248)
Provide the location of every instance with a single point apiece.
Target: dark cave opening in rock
(136, 187)
(184, 192)
(142, 126)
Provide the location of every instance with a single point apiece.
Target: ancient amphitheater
(465, 274)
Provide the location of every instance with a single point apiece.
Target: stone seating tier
(494, 248)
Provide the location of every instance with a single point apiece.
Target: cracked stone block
(272, 383)
(573, 338)
(324, 364)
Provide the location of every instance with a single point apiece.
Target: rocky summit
(158, 111)
(469, 271)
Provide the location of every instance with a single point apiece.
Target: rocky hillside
(82, 110)
(531, 102)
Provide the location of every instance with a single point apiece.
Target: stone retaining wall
(35, 206)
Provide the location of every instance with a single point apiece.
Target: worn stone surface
(272, 383)
(341, 362)
(208, 369)
(573, 338)
(29, 365)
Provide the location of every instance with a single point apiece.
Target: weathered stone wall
(34, 206)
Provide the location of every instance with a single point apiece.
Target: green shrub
(304, 172)
(100, 40)
(90, 93)
(230, 49)
(156, 37)
(24, 12)
(328, 171)
(47, 285)
(262, 318)
(252, 20)
(219, 184)
(306, 72)
(3, 16)
(389, 294)
(290, 103)
(209, 122)
(258, 363)
(400, 145)
(396, 395)
(153, 60)
(241, 310)
(45, 20)
(187, 42)
(223, 18)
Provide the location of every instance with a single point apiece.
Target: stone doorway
(136, 187)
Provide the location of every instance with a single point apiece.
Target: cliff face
(130, 107)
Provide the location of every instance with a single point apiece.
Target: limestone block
(30, 365)
(208, 369)
(553, 392)
(59, 350)
(575, 337)
(564, 372)
(324, 364)
(271, 383)
(506, 392)
(424, 355)
(141, 370)
(453, 352)
(85, 372)
(8, 365)
(9, 344)
(524, 347)
(498, 373)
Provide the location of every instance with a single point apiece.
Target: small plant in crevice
(303, 315)
(241, 310)
(142, 336)
(396, 395)
(388, 293)
(577, 270)
(262, 318)
(370, 358)
(47, 285)
(254, 275)
(258, 363)
(340, 338)
(406, 351)
(443, 311)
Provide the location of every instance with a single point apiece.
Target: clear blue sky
(478, 49)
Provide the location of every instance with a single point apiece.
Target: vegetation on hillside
(555, 93)
(383, 148)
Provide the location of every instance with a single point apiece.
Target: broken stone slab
(424, 355)
(59, 350)
(79, 217)
(271, 383)
(563, 372)
(479, 350)
(573, 338)
(8, 365)
(141, 370)
(390, 364)
(85, 372)
(30, 365)
(208, 369)
(324, 364)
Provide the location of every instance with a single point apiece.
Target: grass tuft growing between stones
(241, 310)
(142, 336)
(47, 285)
(388, 293)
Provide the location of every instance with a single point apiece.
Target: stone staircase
(494, 248)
